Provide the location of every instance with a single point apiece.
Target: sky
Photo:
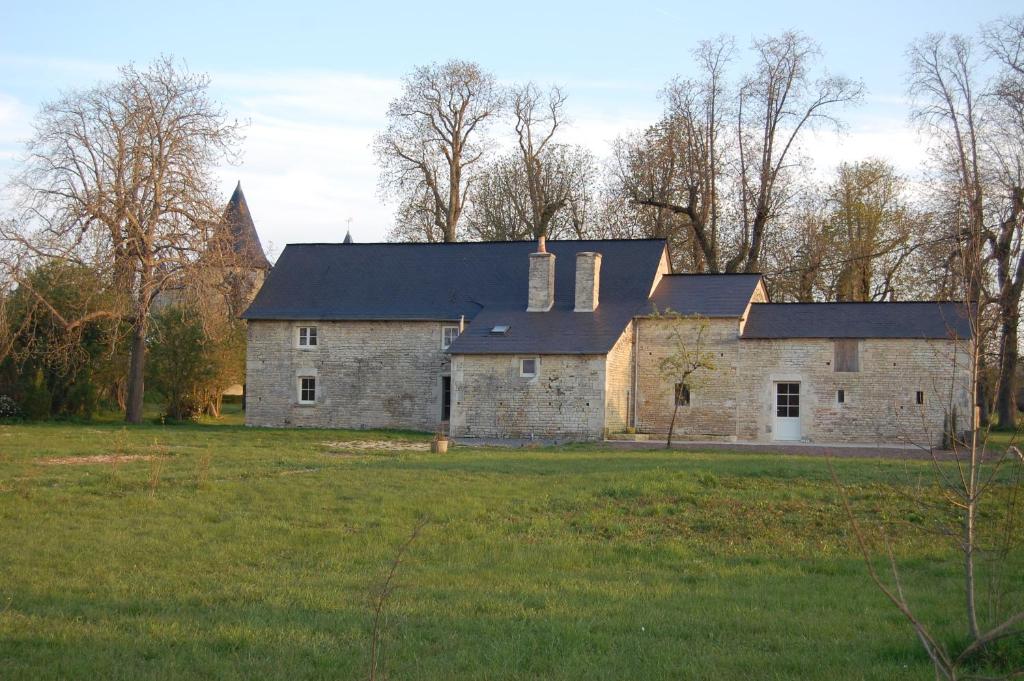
(312, 80)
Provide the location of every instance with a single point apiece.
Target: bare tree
(976, 129)
(118, 178)
(433, 144)
(723, 153)
(502, 207)
(676, 167)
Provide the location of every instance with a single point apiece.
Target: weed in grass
(203, 469)
(156, 466)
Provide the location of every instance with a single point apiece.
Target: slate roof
(708, 295)
(486, 282)
(858, 320)
(245, 242)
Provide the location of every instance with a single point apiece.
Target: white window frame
(299, 380)
(448, 327)
(522, 367)
(299, 337)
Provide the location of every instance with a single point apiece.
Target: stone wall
(880, 399)
(369, 375)
(712, 410)
(618, 389)
(565, 399)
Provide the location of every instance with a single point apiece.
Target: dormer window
(307, 337)
(448, 336)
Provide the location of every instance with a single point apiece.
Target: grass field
(253, 554)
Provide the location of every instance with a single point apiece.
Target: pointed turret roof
(348, 237)
(245, 242)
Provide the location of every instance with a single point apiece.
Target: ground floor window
(307, 389)
(841, 396)
(920, 397)
(682, 395)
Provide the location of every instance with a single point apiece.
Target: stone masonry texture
(369, 374)
(564, 399)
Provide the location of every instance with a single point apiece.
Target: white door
(787, 411)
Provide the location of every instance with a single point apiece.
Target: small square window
(920, 397)
(682, 395)
(528, 367)
(307, 336)
(841, 396)
(307, 390)
(448, 336)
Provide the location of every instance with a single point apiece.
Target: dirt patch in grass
(98, 458)
(344, 446)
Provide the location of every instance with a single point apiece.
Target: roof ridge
(714, 274)
(865, 302)
(469, 243)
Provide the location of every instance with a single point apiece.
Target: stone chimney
(542, 279)
(588, 280)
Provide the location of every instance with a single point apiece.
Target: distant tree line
(724, 177)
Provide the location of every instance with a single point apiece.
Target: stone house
(567, 339)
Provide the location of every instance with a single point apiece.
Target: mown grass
(254, 554)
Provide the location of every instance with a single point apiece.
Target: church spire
(245, 242)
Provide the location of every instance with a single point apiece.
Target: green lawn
(253, 554)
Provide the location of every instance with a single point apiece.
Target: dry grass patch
(344, 446)
(94, 459)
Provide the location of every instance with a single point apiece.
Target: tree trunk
(971, 505)
(672, 424)
(136, 371)
(1007, 397)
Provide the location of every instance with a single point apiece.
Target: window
(528, 367)
(841, 397)
(307, 336)
(920, 397)
(846, 355)
(499, 329)
(682, 395)
(307, 390)
(787, 400)
(448, 335)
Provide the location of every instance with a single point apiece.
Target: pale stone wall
(619, 383)
(712, 410)
(880, 399)
(564, 399)
(369, 375)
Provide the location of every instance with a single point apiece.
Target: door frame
(775, 406)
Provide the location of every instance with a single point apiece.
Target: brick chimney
(542, 279)
(588, 280)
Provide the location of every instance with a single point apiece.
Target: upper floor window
(682, 395)
(448, 336)
(846, 354)
(528, 367)
(307, 336)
